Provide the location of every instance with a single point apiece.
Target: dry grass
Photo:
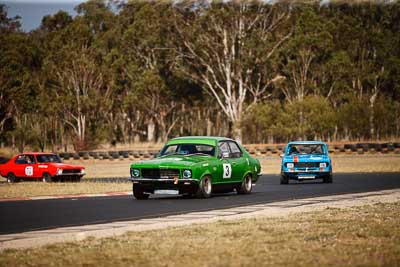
(366, 236)
(33, 189)
(345, 163)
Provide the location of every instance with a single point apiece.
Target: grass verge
(33, 189)
(360, 236)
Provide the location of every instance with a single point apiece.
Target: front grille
(160, 173)
(306, 164)
(71, 171)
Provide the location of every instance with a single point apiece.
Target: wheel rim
(207, 186)
(248, 183)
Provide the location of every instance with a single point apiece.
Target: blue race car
(305, 160)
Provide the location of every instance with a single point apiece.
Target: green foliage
(282, 71)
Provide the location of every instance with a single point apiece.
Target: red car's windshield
(48, 158)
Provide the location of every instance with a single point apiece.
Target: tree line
(135, 71)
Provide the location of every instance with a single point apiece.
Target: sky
(32, 11)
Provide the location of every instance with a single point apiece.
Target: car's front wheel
(11, 178)
(284, 179)
(328, 179)
(138, 193)
(246, 186)
(205, 188)
(46, 178)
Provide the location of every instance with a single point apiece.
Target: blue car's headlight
(290, 165)
(322, 165)
(187, 174)
(135, 173)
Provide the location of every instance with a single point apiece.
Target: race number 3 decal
(227, 168)
(29, 171)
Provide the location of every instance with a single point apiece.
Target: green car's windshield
(188, 149)
(48, 158)
(305, 149)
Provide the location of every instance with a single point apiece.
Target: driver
(293, 150)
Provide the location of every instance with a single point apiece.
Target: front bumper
(184, 186)
(300, 175)
(70, 175)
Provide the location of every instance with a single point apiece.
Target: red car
(45, 166)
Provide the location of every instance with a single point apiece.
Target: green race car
(196, 166)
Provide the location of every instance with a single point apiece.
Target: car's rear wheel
(246, 186)
(284, 179)
(46, 178)
(11, 178)
(138, 192)
(205, 188)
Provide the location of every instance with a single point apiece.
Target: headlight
(322, 165)
(59, 171)
(187, 173)
(135, 173)
(290, 165)
(83, 171)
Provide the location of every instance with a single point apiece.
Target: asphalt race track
(21, 216)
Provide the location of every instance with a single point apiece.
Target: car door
(19, 166)
(31, 168)
(225, 168)
(239, 163)
(24, 166)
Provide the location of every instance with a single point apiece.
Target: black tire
(11, 178)
(205, 188)
(328, 179)
(138, 193)
(284, 179)
(46, 178)
(246, 186)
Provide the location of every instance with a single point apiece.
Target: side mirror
(281, 155)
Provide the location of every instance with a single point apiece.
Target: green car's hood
(171, 161)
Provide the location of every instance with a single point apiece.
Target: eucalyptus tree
(148, 55)
(306, 52)
(19, 59)
(226, 47)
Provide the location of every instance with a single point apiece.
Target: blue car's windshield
(188, 149)
(305, 149)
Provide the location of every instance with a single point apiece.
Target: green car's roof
(206, 140)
